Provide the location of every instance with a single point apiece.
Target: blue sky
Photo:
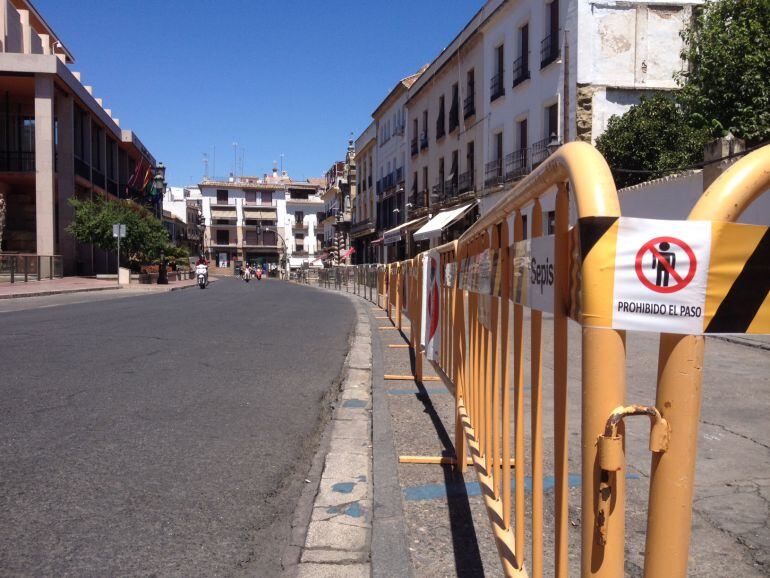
(276, 76)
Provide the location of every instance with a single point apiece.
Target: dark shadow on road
(464, 543)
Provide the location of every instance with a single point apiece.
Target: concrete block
(351, 429)
(333, 571)
(357, 378)
(337, 535)
(350, 446)
(335, 557)
(345, 467)
(339, 493)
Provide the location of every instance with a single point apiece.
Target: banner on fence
(533, 273)
(689, 277)
(431, 336)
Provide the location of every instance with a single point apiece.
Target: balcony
(365, 226)
(440, 126)
(493, 173)
(469, 104)
(424, 140)
(437, 194)
(549, 49)
(450, 188)
(520, 70)
(414, 146)
(454, 117)
(541, 149)
(496, 87)
(295, 226)
(82, 169)
(465, 182)
(17, 162)
(97, 178)
(516, 164)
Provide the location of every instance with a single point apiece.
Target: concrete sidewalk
(82, 285)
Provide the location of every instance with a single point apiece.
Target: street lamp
(159, 183)
(553, 144)
(285, 258)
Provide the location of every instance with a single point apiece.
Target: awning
(441, 221)
(223, 213)
(376, 242)
(393, 235)
(348, 252)
(257, 213)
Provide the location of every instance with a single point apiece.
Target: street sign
(119, 231)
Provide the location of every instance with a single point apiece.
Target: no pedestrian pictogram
(658, 259)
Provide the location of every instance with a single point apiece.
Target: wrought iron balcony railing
(465, 182)
(493, 173)
(496, 87)
(516, 164)
(469, 103)
(549, 49)
(520, 70)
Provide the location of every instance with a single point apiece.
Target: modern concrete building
(271, 220)
(57, 141)
(364, 228)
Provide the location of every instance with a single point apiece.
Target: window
(111, 148)
(549, 47)
(469, 104)
(522, 134)
(521, 64)
(497, 88)
(96, 149)
(424, 135)
(470, 159)
(454, 114)
(499, 146)
(440, 126)
(299, 237)
(251, 196)
(299, 217)
(524, 226)
(223, 237)
(551, 223)
(222, 196)
(552, 121)
(425, 178)
(441, 173)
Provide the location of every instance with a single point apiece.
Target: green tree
(727, 84)
(93, 220)
(653, 138)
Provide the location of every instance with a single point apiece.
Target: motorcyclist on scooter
(204, 262)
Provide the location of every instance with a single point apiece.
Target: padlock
(611, 455)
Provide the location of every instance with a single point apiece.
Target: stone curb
(378, 507)
(333, 522)
(94, 289)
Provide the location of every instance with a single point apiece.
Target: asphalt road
(163, 434)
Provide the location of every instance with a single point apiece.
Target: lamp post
(285, 258)
(159, 183)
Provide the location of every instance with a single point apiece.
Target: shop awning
(223, 213)
(441, 221)
(394, 235)
(257, 213)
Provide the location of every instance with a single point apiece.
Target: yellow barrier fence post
(678, 398)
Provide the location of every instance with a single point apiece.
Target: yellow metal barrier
(680, 364)
(480, 329)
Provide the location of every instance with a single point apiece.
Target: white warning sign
(661, 270)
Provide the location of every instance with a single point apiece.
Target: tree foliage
(652, 136)
(727, 84)
(93, 220)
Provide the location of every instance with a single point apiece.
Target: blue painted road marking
(438, 491)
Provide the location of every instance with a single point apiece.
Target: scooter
(246, 275)
(258, 273)
(202, 274)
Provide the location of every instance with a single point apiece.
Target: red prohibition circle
(649, 246)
